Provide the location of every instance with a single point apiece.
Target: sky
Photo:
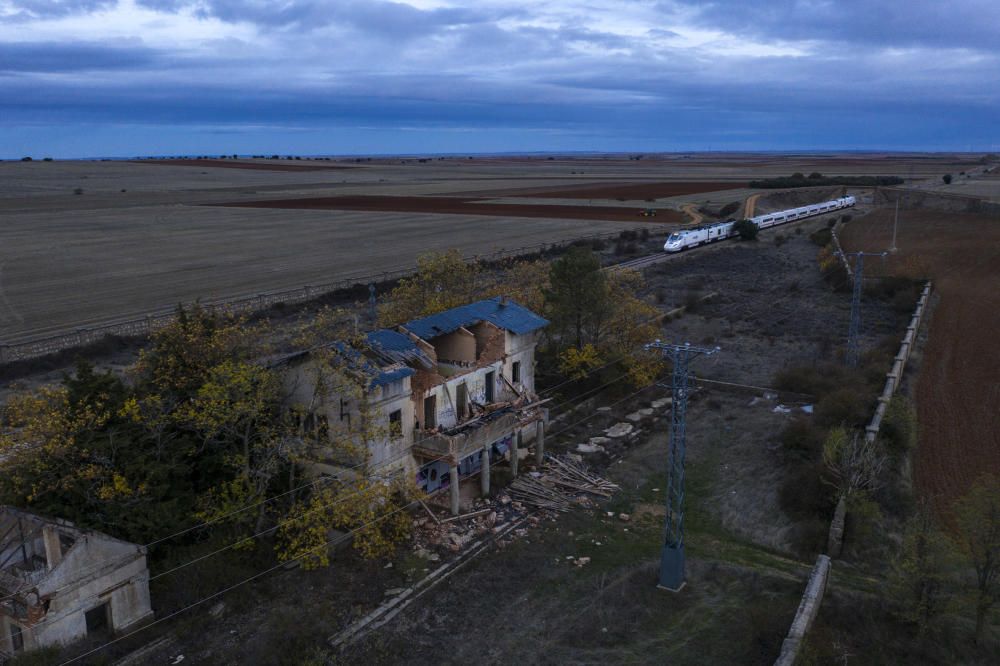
(92, 78)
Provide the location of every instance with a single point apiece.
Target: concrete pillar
(539, 443)
(514, 457)
(484, 474)
(453, 481)
(53, 549)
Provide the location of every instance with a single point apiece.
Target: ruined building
(439, 398)
(59, 583)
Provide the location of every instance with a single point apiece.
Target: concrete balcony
(474, 435)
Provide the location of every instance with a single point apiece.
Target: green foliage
(197, 423)
(822, 237)
(802, 439)
(578, 301)
(919, 584)
(977, 518)
(443, 280)
(845, 406)
(899, 425)
(747, 230)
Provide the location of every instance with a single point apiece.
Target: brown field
(627, 191)
(234, 164)
(958, 391)
(458, 206)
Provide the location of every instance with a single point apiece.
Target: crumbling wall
(458, 346)
(808, 608)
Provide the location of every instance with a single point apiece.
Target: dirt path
(749, 205)
(692, 210)
(957, 393)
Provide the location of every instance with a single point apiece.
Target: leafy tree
(372, 508)
(578, 300)
(855, 463)
(947, 179)
(577, 363)
(815, 175)
(977, 517)
(443, 280)
(919, 577)
(746, 229)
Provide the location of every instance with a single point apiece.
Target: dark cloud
(857, 72)
(41, 57)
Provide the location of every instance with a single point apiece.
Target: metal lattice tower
(853, 354)
(372, 308)
(672, 555)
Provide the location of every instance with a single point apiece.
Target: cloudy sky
(137, 77)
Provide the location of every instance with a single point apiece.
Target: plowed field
(459, 206)
(627, 191)
(958, 390)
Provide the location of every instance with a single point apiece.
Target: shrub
(844, 406)
(729, 209)
(802, 439)
(78, 190)
(747, 230)
(805, 494)
(823, 237)
(780, 240)
(946, 178)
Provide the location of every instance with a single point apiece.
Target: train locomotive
(682, 240)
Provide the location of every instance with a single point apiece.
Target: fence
(146, 324)
(813, 596)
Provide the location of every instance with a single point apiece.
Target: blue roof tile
(507, 315)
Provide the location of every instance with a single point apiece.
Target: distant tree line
(816, 179)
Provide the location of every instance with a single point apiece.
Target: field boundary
(813, 595)
(144, 325)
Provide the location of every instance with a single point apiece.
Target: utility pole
(672, 555)
(854, 332)
(895, 221)
(372, 312)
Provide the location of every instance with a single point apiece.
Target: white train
(681, 240)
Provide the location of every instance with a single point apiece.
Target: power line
(327, 544)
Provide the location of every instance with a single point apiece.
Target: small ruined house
(448, 394)
(59, 583)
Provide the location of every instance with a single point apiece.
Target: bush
(802, 439)
(729, 209)
(946, 178)
(823, 237)
(780, 240)
(844, 406)
(747, 230)
(804, 494)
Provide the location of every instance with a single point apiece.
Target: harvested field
(118, 263)
(958, 394)
(260, 166)
(456, 206)
(627, 191)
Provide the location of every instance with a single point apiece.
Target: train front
(675, 242)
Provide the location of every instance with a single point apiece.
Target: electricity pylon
(854, 331)
(672, 555)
